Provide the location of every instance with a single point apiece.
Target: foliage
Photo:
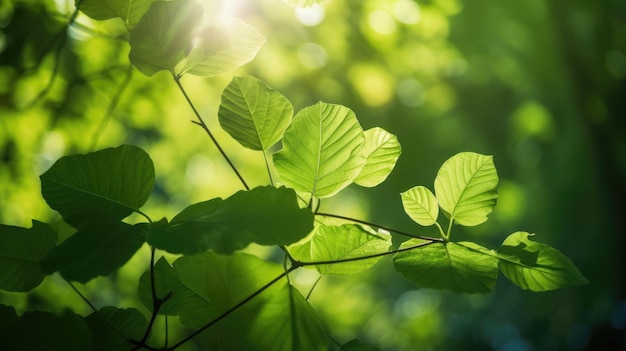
(239, 300)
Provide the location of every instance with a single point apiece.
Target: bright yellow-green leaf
(381, 151)
(253, 113)
(421, 205)
(535, 266)
(465, 187)
(321, 150)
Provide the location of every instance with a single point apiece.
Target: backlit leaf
(112, 328)
(535, 266)
(164, 35)
(461, 267)
(222, 48)
(421, 205)
(466, 187)
(21, 250)
(264, 215)
(321, 150)
(346, 242)
(278, 318)
(381, 151)
(96, 250)
(105, 185)
(253, 113)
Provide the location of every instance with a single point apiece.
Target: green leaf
(264, 215)
(466, 187)
(130, 11)
(253, 113)
(105, 185)
(304, 3)
(421, 205)
(222, 48)
(21, 250)
(37, 330)
(113, 328)
(321, 150)
(163, 37)
(381, 151)
(346, 242)
(535, 266)
(277, 318)
(180, 299)
(96, 250)
(461, 267)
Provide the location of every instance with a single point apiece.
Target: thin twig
(377, 226)
(80, 294)
(204, 126)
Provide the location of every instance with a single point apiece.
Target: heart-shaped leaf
(421, 205)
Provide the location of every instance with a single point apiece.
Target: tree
(324, 149)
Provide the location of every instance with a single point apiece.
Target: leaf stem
(80, 294)
(308, 296)
(201, 123)
(376, 225)
(447, 236)
(267, 166)
(380, 254)
(233, 309)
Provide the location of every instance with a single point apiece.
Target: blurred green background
(541, 85)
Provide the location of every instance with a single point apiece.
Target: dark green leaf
(461, 267)
(346, 242)
(98, 249)
(322, 150)
(105, 185)
(253, 113)
(36, 330)
(130, 11)
(381, 151)
(113, 328)
(264, 215)
(164, 35)
(466, 187)
(222, 48)
(180, 300)
(21, 250)
(535, 266)
(278, 318)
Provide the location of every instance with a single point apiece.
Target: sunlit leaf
(264, 215)
(180, 299)
(421, 205)
(461, 267)
(219, 49)
(130, 11)
(321, 150)
(278, 318)
(96, 250)
(105, 185)
(466, 187)
(535, 266)
(304, 3)
(347, 242)
(381, 151)
(253, 113)
(164, 35)
(21, 250)
(38, 330)
(112, 328)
